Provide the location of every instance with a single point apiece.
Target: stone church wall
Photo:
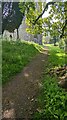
(23, 35)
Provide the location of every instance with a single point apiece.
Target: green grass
(52, 100)
(16, 55)
(57, 56)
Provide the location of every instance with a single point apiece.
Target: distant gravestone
(35, 40)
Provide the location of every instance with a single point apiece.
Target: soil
(19, 95)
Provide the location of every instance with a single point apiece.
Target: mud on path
(19, 95)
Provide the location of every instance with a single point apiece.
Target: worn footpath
(19, 94)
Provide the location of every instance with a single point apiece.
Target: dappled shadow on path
(19, 95)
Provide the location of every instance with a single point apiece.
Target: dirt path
(19, 95)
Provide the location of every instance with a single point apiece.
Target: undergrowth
(52, 100)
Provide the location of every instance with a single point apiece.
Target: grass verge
(57, 56)
(52, 101)
(15, 56)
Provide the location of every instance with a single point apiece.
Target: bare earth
(19, 95)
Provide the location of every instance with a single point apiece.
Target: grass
(52, 101)
(16, 55)
(57, 56)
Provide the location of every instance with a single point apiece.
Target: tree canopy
(55, 23)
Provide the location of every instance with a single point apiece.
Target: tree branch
(49, 3)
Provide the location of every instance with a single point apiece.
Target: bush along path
(20, 93)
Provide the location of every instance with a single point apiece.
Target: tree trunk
(65, 46)
(54, 38)
(17, 34)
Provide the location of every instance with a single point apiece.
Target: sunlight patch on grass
(38, 47)
(61, 54)
(57, 56)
